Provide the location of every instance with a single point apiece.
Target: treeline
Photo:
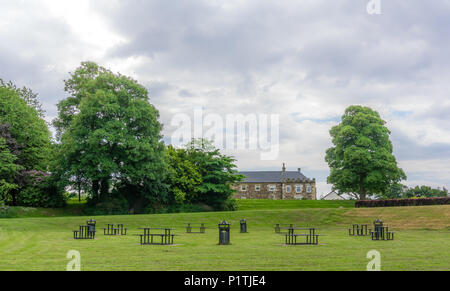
(109, 146)
(398, 191)
(403, 202)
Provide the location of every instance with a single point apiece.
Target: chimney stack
(284, 168)
(299, 170)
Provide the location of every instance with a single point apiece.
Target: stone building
(275, 185)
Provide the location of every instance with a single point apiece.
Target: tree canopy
(26, 150)
(110, 137)
(398, 190)
(361, 160)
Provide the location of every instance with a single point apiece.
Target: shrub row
(403, 202)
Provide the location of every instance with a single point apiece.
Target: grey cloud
(305, 60)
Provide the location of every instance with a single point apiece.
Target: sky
(305, 61)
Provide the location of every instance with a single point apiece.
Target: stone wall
(280, 190)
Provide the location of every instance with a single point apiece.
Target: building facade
(276, 185)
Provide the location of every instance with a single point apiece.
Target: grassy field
(422, 241)
(73, 208)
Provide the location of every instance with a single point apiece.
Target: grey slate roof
(271, 176)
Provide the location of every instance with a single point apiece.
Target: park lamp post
(243, 226)
(224, 233)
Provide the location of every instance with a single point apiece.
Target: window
(243, 188)
(272, 188)
(288, 188)
(257, 187)
(299, 188)
(308, 188)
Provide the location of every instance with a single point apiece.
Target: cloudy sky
(303, 60)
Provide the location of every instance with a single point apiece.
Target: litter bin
(91, 225)
(378, 228)
(243, 226)
(224, 233)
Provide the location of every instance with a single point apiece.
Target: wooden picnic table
(311, 237)
(148, 238)
(111, 230)
(200, 226)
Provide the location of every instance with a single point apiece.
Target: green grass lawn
(422, 241)
(73, 208)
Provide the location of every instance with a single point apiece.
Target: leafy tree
(361, 160)
(425, 192)
(27, 138)
(110, 138)
(8, 171)
(184, 177)
(28, 128)
(394, 191)
(26, 94)
(79, 86)
(398, 190)
(218, 173)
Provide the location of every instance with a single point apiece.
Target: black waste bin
(243, 226)
(378, 229)
(224, 233)
(91, 225)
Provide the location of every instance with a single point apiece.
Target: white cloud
(306, 61)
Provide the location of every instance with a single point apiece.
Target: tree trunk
(363, 194)
(95, 188)
(79, 192)
(14, 200)
(362, 190)
(104, 191)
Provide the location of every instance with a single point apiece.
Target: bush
(403, 202)
(4, 210)
(230, 205)
(41, 191)
(178, 208)
(109, 206)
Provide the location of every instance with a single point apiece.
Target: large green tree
(28, 139)
(110, 138)
(8, 171)
(184, 176)
(361, 160)
(218, 173)
(25, 94)
(27, 127)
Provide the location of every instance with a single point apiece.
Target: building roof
(332, 196)
(272, 176)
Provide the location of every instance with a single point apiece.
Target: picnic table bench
(201, 227)
(118, 230)
(312, 238)
(278, 227)
(382, 233)
(359, 230)
(148, 238)
(84, 232)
